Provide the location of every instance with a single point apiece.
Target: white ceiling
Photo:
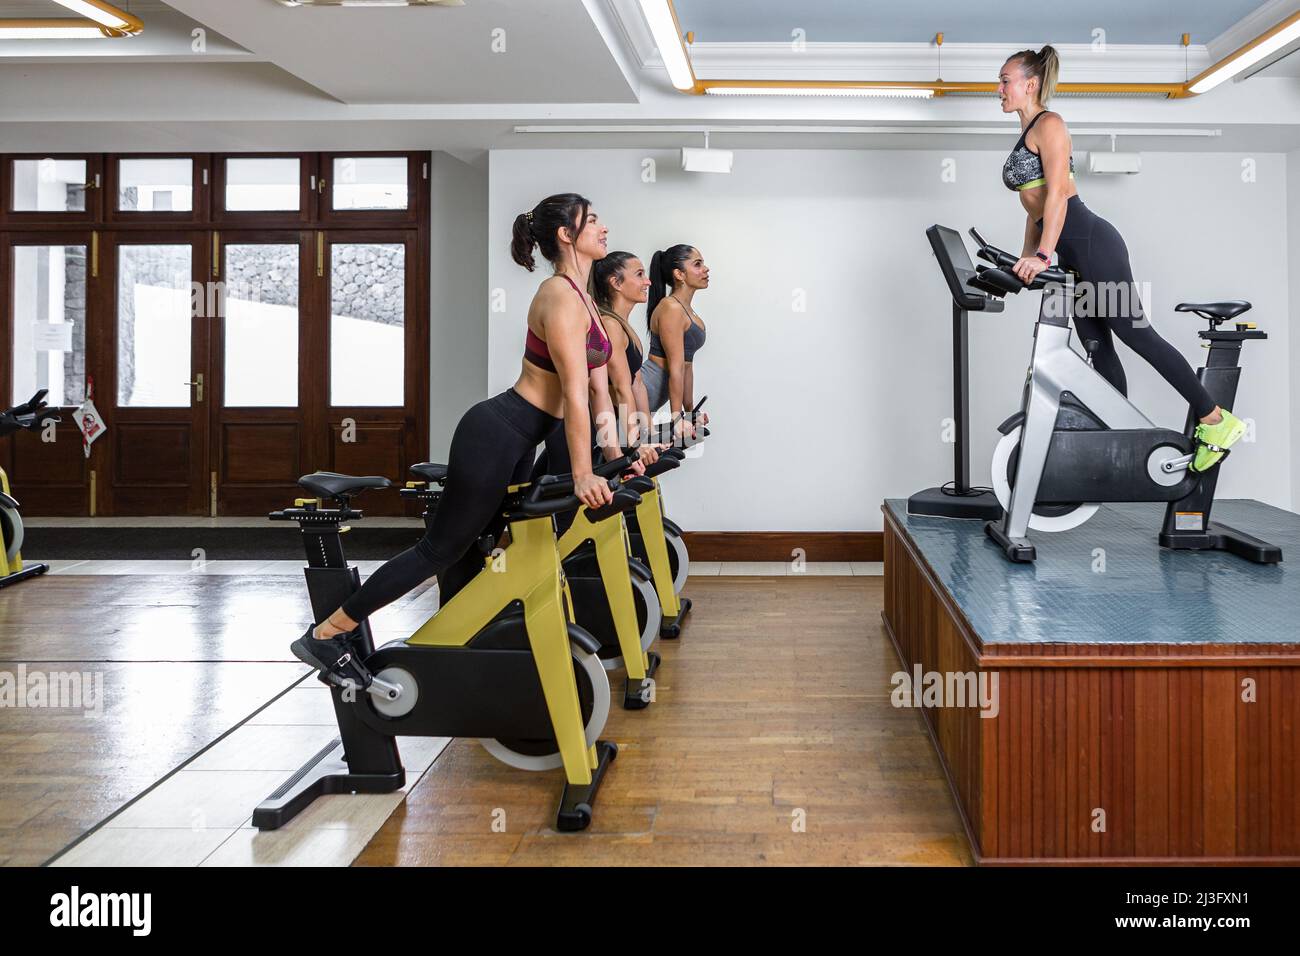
(552, 50)
(275, 77)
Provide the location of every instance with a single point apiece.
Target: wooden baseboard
(782, 545)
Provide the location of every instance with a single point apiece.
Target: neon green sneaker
(1213, 441)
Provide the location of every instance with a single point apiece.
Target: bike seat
(1215, 310)
(430, 472)
(330, 484)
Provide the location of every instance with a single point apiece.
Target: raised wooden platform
(1140, 718)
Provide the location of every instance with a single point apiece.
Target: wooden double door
(225, 362)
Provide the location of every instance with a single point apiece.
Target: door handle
(198, 382)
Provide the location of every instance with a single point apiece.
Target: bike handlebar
(1004, 260)
(552, 494)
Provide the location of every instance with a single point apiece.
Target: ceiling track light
(662, 19)
(98, 19)
(915, 129)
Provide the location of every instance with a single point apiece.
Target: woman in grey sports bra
(676, 333)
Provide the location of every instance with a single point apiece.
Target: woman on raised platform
(1041, 170)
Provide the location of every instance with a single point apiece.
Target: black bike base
(636, 693)
(670, 628)
(325, 773)
(576, 801)
(938, 503)
(1221, 537)
(30, 571)
(1016, 549)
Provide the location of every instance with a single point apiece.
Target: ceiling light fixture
(706, 160)
(48, 30)
(667, 33)
(371, 3)
(98, 20)
(1243, 58)
(102, 13)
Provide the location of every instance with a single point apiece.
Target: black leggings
(1093, 248)
(554, 460)
(492, 449)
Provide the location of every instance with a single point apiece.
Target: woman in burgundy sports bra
(563, 368)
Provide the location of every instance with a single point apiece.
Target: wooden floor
(772, 742)
(773, 711)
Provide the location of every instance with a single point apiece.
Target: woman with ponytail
(676, 334)
(618, 284)
(1041, 169)
(614, 418)
(564, 357)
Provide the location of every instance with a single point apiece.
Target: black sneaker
(333, 657)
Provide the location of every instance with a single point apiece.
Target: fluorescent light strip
(663, 26)
(867, 130)
(1267, 47)
(372, 3)
(108, 16)
(903, 92)
(51, 33)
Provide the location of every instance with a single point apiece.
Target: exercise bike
(657, 543)
(1077, 441)
(613, 597)
(662, 546)
(500, 660)
(32, 416)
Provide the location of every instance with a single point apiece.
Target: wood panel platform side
(1107, 754)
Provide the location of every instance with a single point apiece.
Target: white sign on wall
(52, 338)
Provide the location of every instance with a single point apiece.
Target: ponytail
(656, 291)
(1051, 62)
(522, 241)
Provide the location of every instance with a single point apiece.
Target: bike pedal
(348, 671)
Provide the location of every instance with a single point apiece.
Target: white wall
(458, 288)
(821, 414)
(1293, 271)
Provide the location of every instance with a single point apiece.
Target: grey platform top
(1142, 594)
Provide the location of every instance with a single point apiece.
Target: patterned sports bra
(1024, 168)
(598, 347)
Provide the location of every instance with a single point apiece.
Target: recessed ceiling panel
(961, 21)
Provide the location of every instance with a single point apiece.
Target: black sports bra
(634, 358)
